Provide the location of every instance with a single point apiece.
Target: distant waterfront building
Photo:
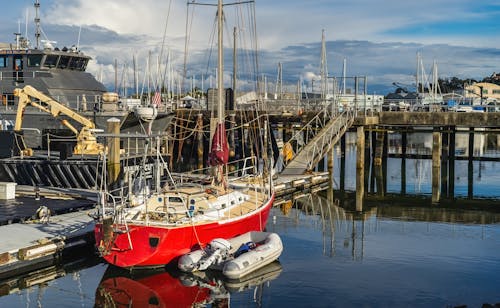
(488, 92)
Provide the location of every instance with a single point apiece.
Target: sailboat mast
(220, 68)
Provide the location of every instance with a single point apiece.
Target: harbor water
(390, 255)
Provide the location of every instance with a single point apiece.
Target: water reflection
(407, 165)
(393, 254)
(171, 288)
(43, 287)
(345, 230)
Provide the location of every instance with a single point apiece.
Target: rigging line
(165, 34)
(225, 4)
(189, 27)
(211, 45)
(256, 49)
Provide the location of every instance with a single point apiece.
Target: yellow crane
(86, 142)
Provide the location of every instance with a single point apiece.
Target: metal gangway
(313, 141)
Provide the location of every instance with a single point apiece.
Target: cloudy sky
(378, 39)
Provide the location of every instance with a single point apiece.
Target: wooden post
(367, 159)
(360, 168)
(342, 163)
(436, 166)
(445, 158)
(331, 162)
(113, 164)
(385, 155)
(451, 162)
(470, 178)
(404, 145)
(379, 149)
(374, 146)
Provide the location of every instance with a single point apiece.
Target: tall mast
(220, 68)
(323, 69)
(37, 23)
(235, 62)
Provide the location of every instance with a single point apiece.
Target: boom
(86, 141)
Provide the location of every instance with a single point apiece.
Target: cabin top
(13, 59)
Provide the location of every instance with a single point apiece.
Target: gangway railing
(313, 141)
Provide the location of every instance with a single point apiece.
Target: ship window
(34, 60)
(63, 62)
(78, 63)
(74, 63)
(3, 61)
(51, 61)
(84, 64)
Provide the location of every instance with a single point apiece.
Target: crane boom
(53, 107)
(86, 141)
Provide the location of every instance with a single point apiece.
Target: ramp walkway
(315, 139)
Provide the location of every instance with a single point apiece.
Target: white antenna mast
(18, 33)
(37, 23)
(78, 42)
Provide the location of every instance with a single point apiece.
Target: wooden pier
(30, 241)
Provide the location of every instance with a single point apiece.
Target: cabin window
(78, 63)
(174, 199)
(74, 63)
(18, 63)
(34, 60)
(51, 61)
(84, 64)
(3, 61)
(63, 62)
(496, 91)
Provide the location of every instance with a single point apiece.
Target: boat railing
(240, 168)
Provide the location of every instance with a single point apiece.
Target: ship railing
(237, 169)
(367, 104)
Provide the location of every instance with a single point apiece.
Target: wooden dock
(28, 242)
(290, 187)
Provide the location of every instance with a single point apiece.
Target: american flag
(156, 99)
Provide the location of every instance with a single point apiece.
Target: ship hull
(150, 246)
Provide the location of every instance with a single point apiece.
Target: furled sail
(219, 153)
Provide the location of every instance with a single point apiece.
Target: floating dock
(295, 186)
(30, 241)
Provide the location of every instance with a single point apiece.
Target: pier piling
(360, 168)
(436, 166)
(113, 127)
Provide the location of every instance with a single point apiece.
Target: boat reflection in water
(172, 288)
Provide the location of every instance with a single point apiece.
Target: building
(483, 91)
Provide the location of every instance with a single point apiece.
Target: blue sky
(379, 39)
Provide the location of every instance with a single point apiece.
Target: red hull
(161, 290)
(155, 246)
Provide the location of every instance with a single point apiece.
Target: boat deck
(257, 199)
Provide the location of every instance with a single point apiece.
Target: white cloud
(370, 34)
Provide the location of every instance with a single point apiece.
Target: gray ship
(61, 74)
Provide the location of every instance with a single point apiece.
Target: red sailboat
(173, 289)
(155, 228)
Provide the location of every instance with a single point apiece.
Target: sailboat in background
(148, 229)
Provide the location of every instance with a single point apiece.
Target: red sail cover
(219, 153)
